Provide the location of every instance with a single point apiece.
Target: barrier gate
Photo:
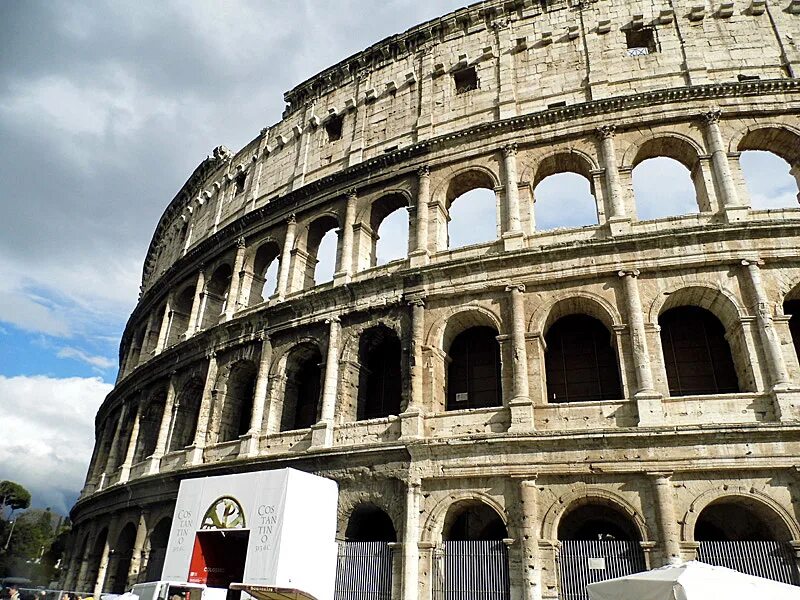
(364, 571)
(472, 570)
(582, 562)
(771, 560)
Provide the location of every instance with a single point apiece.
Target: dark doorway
(380, 379)
(218, 557)
(473, 377)
(303, 387)
(792, 308)
(123, 553)
(158, 549)
(697, 356)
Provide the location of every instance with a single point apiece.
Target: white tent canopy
(691, 581)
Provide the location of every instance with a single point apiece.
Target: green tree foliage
(13, 496)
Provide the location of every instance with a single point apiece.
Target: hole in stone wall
(333, 127)
(465, 80)
(240, 180)
(768, 180)
(640, 42)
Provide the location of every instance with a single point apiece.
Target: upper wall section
(492, 61)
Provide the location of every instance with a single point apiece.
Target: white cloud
(100, 363)
(49, 434)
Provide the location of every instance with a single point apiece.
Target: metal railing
(364, 571)
(582, 562)
(472, 570)
(771, 560)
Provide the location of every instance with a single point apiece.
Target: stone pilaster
(204, 418)
(138, 552)
(411, 540)
(667, 519)
(648, 401)
(251, 443)
(520, 405)
(322, 432)
(166, 320)
(236, 280)
(196, 313)
(113, 453)
(513, 237)
(167, 418)
(97, 585)
(420, 254)
(130, 452)
(529, 534)
(617, 219)
(732, 207)
(345, 270)
(412, 421)
(286, 258)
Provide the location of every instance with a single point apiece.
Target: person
(13, 592)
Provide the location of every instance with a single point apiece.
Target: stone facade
(209, 378)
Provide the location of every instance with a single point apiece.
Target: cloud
(101, 363)
(49, 434)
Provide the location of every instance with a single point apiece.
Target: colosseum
(506, 419)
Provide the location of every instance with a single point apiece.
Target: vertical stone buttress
(513, 237)
(732, 207)
(204, 417)
(167, 418)
(420, 254)
(345, 266)
(322, 432)
(411, 541)
(411, 421)
(196, 312)
(233, 303)
(667, 520)
(617, 218)
(520, 405)
(286, 258)
(531, 562)
(259, 398)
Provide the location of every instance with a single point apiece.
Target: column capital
(332, 320)
(240, 242)
(424, 171)
(510, 149)
(519, 287)
(628, 273)
(605, 132)
(660, 474)
(352, 193)
(711, 117)
(291, 220)
(211, 355)
(416, 300)
(755, 262)
(262, 336)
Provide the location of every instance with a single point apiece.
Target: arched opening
(473, 375)
(667, 179)
(471, 209)
(149, 425)
(151, 340)
(322, 247)
(581, 361)
(697, 356)
(770, 162)
(216, 295)
(123, 553)
(137, 344)
(187, 409)
(605, 533)
(389, 224)
(769, 180)
(238, 404)
(475, 556)
(792, 309)
(303, 387)
(380, 385)
(564, 193)
(364, 568)
(746, 536)
(265, 273)
(368, 523)
(106, 444)
(158, 549)
(120, 447)
(93, 570)
(181, 310)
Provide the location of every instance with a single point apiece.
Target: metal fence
(468, 570)
(582, 562)
(772, 560)
(364, 571)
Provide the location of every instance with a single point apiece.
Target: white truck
(169, 590)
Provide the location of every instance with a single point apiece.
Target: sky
(105, 110)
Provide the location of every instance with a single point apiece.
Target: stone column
(513, 237)
(617, 218)
(286, 258)
(411, 540)
(732, 207)
(667, 520)
(204, 418)
(420, 254)
(103, 566)
(196, 312)
(113, 452)
(520, 405)
(531, 563)
(322, 432)
(250, 446)
(786, 402)
(138, 551)
(236, 280)
(648, 400)
(130, 453)
(165, 323)
(80, 581)
(411, 421)
(345, 270)
(167, 416)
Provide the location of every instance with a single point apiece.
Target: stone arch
(574, 302)
(257, 263)
(369, 522)
(562, 160)
(181, 308)
(315, 231)
(589, 495)
(379, 210)
(458, 184)
(779, 138)
(93, 570)
(156, 544)
(187, 408)
(675, 145)
(433, 527)
(302, 393)
(238, 393)
(780, 516)
(564, 169)
(216, 291)
(456, 320)
(463, 180)
(719, 300)
(123, 555)
(150, 422)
